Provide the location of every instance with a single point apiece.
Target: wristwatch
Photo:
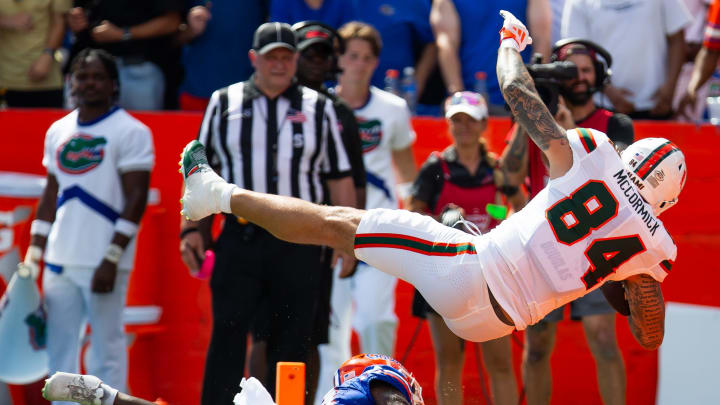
(126, 35)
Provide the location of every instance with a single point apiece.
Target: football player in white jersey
(98, 159)
(386, 137)
(595, 221)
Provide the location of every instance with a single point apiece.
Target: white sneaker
(83, 389)
(206, 193)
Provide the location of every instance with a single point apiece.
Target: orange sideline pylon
(290, 384)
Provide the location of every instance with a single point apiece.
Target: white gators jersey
(587, 226)
(384, 126)
(87, 160)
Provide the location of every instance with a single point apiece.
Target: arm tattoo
(647, 311)
(527, 106)
(513, 160)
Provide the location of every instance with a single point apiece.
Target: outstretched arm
(647, 310)
(528, 108)
(531, 113)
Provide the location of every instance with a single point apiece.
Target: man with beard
(593, 64)
(598, 317)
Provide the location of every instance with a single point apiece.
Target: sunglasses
(465, 97)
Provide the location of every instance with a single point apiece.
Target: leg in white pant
(374, 317)
(107, 357)
(337, 350)
(65, 317)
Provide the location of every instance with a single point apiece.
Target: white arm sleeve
(137, 151)
(677, 16)
(48, 160)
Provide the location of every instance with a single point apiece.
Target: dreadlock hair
(105, 58)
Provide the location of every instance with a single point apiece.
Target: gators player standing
(595, 221)
(98, 160)
(386, 136)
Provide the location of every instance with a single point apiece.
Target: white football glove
(514, 34)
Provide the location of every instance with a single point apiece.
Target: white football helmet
(658, 169)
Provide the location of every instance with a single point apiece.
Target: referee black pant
(256, 273)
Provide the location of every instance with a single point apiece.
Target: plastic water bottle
(409, 88)
(391, 82)
(713, 99)
(481, 85)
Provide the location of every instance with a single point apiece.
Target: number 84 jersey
(586, 227)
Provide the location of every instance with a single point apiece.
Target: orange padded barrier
(167, 360)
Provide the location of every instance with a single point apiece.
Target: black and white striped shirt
(284, 146)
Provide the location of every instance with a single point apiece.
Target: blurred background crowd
(173, 54)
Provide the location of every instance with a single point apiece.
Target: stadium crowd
(173, 54)
(376, 63)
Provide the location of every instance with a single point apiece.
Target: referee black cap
(311, 34)
(274, 35)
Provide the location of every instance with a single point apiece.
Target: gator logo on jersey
(370, 133)
(81, 153)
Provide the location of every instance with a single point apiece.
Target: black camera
(547, 78)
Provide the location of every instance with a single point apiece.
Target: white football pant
(70, 305)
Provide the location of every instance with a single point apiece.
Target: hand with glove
(514, 34)
(452, 216)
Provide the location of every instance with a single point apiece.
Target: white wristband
(113, 253)
(125, 227)
(403, 190)
(510, 43)
(40, 227)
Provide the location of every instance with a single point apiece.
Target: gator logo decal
(81, 153)
(370, 133)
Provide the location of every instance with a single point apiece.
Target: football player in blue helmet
(374, 379)
(365, 379)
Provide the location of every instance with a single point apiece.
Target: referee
(271, 135)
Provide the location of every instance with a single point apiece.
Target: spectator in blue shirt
(217, 38)
(466, 37)
(404, 27)
(331, 12)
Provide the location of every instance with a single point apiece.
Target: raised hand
(513, 29)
